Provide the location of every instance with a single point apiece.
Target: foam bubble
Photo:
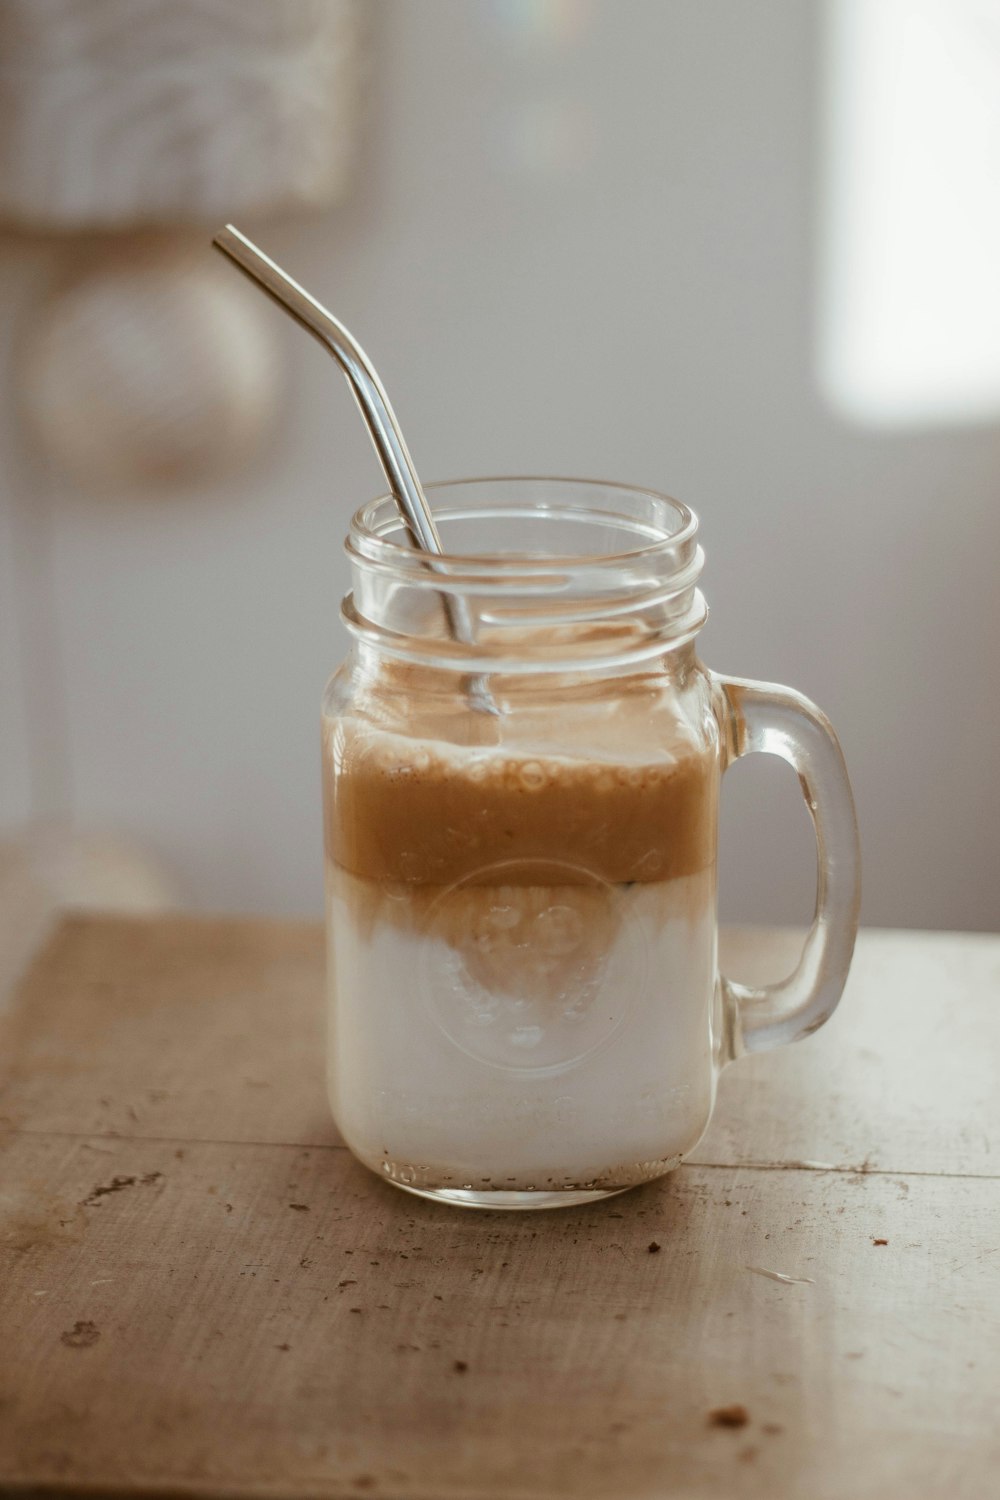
(526, 1037)
(532, 776)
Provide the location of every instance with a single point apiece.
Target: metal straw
(378, 414)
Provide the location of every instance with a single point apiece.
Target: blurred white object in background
(911, 315)
(125, 112)
(151, 369)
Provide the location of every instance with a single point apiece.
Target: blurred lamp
(144, 121)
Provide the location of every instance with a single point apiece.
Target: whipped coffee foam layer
(422, 812)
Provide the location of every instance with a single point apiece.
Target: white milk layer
(516, 1039)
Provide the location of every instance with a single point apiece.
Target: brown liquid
(409, 811)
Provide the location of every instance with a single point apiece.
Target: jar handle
(761, 716)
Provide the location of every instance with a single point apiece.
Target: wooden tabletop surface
(202, 1293)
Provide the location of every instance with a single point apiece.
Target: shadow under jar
(525, 1008)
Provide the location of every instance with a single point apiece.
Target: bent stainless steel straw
(379, 418)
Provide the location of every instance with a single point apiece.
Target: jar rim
(368, 535)
(523, 603)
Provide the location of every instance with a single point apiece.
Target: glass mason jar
(525, 1008)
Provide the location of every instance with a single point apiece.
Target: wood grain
(243, 1344)
(904, 1076)
(213, 1030)
(202, 1292)
(183, 1028)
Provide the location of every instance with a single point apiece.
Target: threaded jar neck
(555, 574)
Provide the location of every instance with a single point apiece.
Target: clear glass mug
(525, 1008)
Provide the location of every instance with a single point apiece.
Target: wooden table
(202, 1293)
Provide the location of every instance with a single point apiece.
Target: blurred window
(910, 312)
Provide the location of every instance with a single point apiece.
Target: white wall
(590, 254)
